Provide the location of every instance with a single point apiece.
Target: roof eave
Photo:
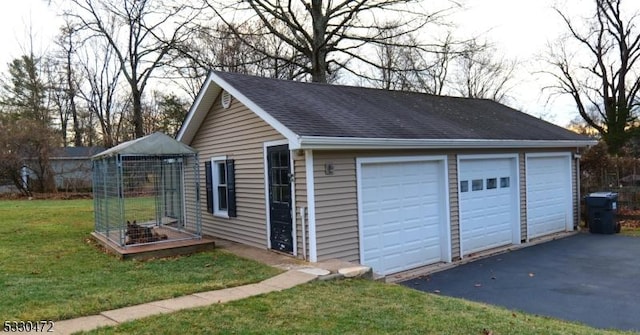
(342, 143)
(198, 110)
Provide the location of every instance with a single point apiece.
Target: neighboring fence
(628, 206)
(628, 196)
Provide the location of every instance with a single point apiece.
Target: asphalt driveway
(588, 278)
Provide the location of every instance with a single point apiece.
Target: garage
(489, 202)
(549, 194)
(403, 212)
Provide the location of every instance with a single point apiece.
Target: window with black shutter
(209, 186)
(221, 190)
(231, 188)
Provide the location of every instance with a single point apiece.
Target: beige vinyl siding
(300, 174)
(336, 207)
(522, 170)
(336, 198)
(454, 205)
(238, 134)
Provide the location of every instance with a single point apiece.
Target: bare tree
(400, 65)
(60, 105)
(482, 73)
(328, 34)
(150, 30)
(218, 47)
(67, 45)
(602, 73)
(466, 68)
(100, 93)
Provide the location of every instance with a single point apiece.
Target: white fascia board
(318, 142)
(210, 90)
(266, 117)
(198, 111)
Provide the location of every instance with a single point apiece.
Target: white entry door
(402, 214)
(488, 193)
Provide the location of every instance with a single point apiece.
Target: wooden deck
(171, 247)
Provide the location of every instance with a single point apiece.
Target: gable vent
(226, 99)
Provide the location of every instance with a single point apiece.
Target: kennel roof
(156, 144)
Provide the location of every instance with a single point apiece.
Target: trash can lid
(603, 194)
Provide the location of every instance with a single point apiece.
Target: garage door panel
(549, 204)
(402, 207)
(487, 214)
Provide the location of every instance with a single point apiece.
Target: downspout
(304, 232)
(292, 181)
(311, 206)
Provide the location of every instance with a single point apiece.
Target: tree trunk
(137, 112)
(319, 49)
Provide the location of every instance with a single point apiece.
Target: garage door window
(464, 186)
(504, 182)
(477, 184)
(492, 183)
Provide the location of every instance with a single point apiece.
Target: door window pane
(464, 186)
(492, 183)
(477, 184)
(504, 182)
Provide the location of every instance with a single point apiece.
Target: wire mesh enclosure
(144, 192)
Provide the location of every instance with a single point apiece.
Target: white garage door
(488, 203)
(549, 205)
(402, 214)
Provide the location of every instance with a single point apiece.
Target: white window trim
(214, 184)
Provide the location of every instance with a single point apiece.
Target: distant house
(394, 180)
(71, 167)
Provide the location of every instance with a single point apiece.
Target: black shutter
(209, 183)
(231, 188)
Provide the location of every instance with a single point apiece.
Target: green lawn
(630, 231)
(350, 307)
(50, 268)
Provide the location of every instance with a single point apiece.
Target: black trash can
(602, 209)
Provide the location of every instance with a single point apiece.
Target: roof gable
(305, 111)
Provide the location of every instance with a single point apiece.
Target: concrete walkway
(114, 317)
(297, 272)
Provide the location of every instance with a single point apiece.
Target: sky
(519, 29)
